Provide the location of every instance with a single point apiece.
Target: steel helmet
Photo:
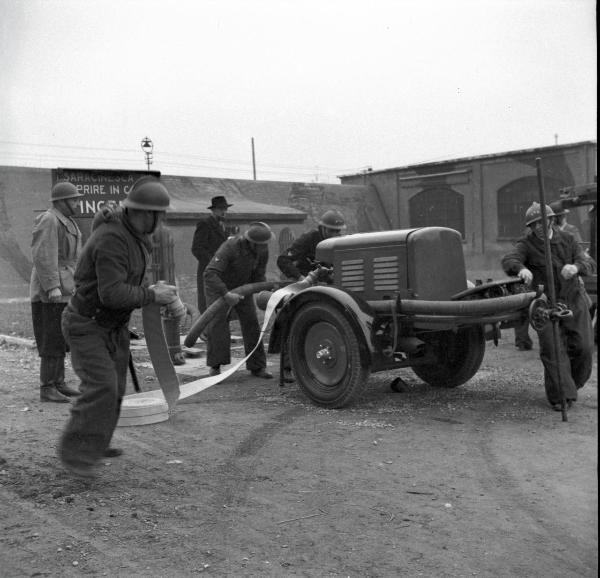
(534, 213)
(64, 190)
(557, 207)
(333, 219)
(147, 194)
(259, 233)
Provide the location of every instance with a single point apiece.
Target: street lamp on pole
(147, 146)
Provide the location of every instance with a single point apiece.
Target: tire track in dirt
(511, 496)
(234, 471)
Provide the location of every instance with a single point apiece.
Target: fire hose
(155, 406)
(220, 304)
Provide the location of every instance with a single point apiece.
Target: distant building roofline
(471, 158)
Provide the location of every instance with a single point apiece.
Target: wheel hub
(325, 353)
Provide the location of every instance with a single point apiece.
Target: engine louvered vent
(353, 275)
(385, 273)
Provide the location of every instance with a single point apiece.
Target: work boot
(215, 370)
(262, 373)
(66, 390)
(50, 393)
(288, 376)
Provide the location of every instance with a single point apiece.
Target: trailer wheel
(458, 357)
(325, 356)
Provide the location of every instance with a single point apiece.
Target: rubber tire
(459, 356)
(347, 377)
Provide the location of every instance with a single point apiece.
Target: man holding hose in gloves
(109, 285)
(237, 262)
(569, 261)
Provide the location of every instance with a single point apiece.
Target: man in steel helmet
(560, 215)
(55, 247)
(298, 259)
(569, 262)
(109, 285)
(238, 261)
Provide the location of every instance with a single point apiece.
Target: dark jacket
(297, 260)
(234, 264)
(208, 237)
(529, 253)
(109, 278)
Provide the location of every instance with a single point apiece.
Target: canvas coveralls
(55, 247)
(109, 281)
(298, 260)
(209, 235)
(234, 264)
(576, 338)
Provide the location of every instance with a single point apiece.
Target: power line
(264, 167)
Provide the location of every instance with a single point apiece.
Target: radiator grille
(385, 273)
(353, 274)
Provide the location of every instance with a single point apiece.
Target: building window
(438, 207)
(515, 198)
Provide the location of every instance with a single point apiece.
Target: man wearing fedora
(209, 235)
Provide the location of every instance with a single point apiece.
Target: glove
(54, 295)
(163, 293)
(232, 299)
(526, 276)
(569, 271)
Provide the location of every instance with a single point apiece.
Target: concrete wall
(290, 208)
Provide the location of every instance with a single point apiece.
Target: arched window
(438, 207)
(515, 198)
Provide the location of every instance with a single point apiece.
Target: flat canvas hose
(171, 391)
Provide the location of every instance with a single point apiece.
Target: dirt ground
(246, 479)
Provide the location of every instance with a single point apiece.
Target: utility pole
(253, 160)
(555, 138)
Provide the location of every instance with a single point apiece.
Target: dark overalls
(209, 235)
(108, 280)
(234, 264)
(575, 356)
(298, 259)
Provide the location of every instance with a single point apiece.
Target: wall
(290, 208)
(483, 183)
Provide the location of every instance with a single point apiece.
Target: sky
(322, 88)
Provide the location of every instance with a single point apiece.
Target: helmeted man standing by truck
(55, 247)
(109, 285)
(238, 261)
(573, 367)
(298, 260)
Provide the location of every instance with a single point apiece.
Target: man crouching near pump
(109, 285)
(298, 260)
(569, 261)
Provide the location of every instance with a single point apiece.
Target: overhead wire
(265, 168)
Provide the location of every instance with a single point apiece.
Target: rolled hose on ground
(245, 290)
(493, 306)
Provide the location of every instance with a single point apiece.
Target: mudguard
(358, 312)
